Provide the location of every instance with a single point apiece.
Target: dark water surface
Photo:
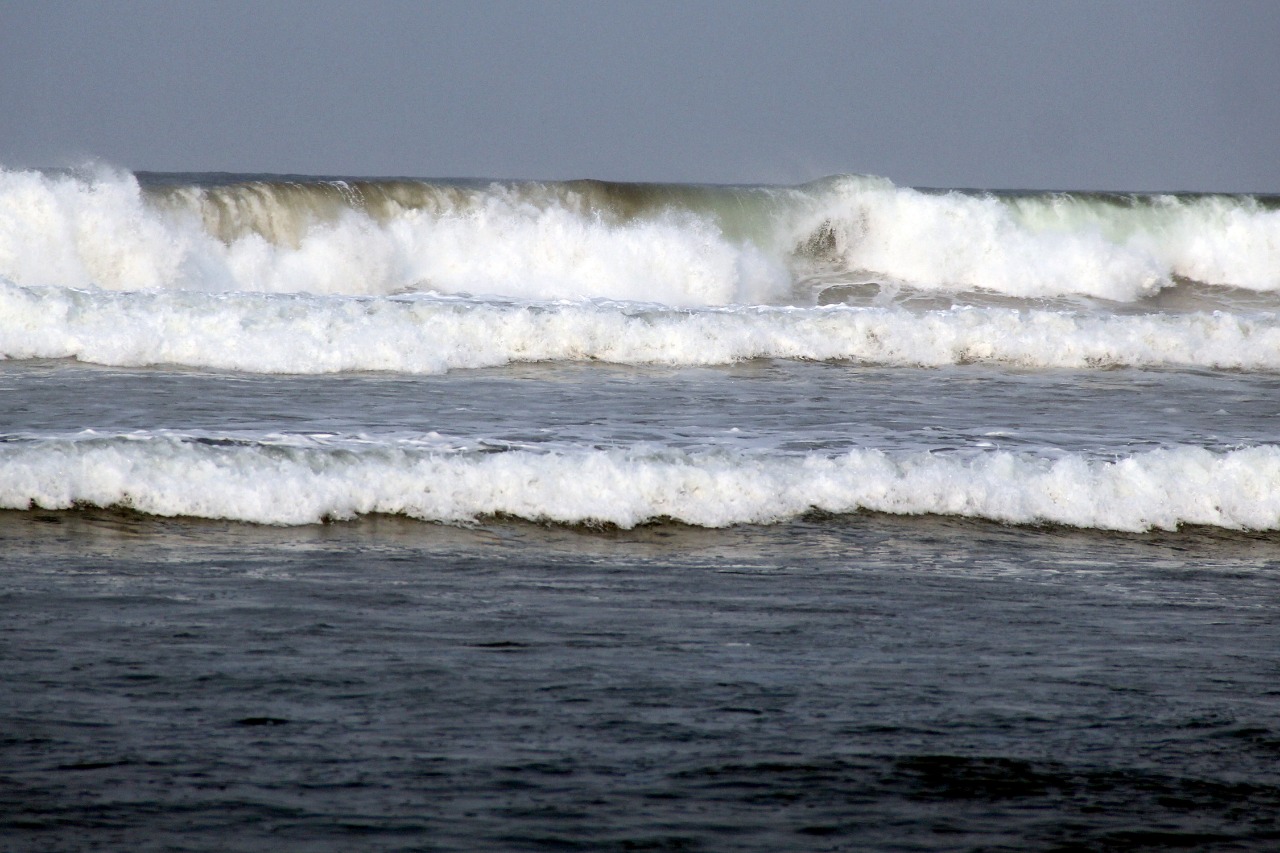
(854, 683)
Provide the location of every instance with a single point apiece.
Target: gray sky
(1073, 95)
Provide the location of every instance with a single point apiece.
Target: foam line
(275, 482)
(312, 334)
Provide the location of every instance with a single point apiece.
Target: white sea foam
(1048, 244)
(298, 482)
(316, 334)
(103, 232)
(671, 245)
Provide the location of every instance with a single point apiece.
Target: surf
(677, 245)
(290, 480)
(433, 334)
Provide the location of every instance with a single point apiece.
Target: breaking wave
(299, 480)
(668, 244)
(301, 333)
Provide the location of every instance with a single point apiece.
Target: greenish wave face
(844, 239)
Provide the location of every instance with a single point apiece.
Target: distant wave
(297, 481)
(675, 245)
(302, 333)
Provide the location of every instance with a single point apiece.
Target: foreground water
(863, 683)
(453, 515)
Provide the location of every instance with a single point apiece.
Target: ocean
(399, 514)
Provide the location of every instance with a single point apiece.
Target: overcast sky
(1068, 95)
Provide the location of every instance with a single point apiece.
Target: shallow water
(766, 404)
(864, 682)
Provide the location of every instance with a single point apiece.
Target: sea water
(406, 514)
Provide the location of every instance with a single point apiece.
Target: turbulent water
(635, 516)
(284, 276)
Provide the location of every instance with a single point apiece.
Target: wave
(295, 480)
(264, 333)
(675, 245)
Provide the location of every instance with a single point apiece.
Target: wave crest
(670, 244)
(288, 482)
